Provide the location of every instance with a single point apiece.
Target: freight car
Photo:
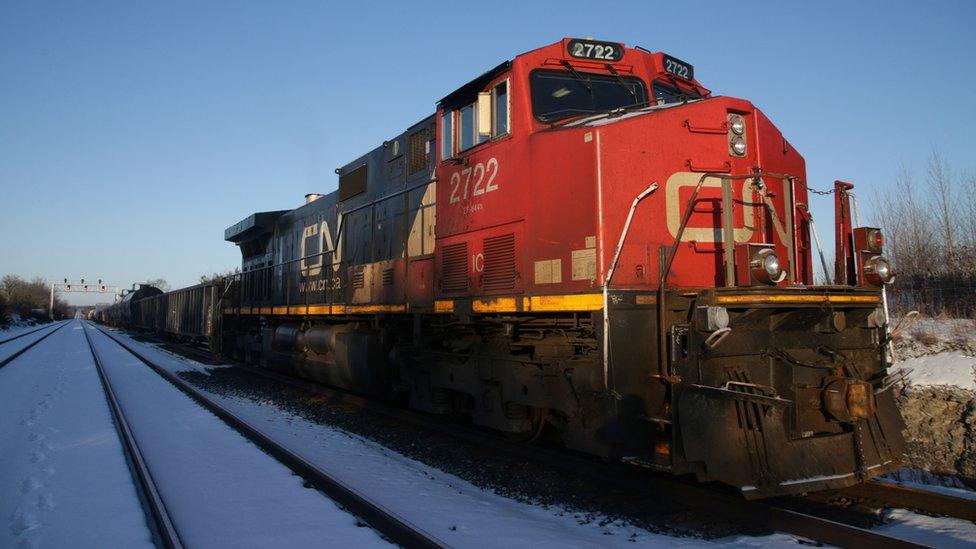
(584, 243)
(188, 314)
(127, 311)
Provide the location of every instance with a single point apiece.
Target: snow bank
(948, 368)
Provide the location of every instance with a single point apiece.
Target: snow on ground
(947, 368)
(923, 480)
(220, 489)
(64, 480)
(19, 328)
(939, 532)
(449, 507)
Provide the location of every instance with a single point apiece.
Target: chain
(816, 191)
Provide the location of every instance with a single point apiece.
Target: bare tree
(158, 283)
(204, 278)
(943, 200)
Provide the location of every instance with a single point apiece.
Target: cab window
(561, 94)
(466, 127)
(483, 118)
(664, 94)
(499, 104)
(447, 135)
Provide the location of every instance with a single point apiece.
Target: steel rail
(165, 529)
(12, 357)
(22, 334)
(924, 501)
(396, 528)
(729, 506)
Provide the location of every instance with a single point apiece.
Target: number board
(679, 68)
(593, 49)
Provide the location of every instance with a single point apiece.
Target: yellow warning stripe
(743, 299)
(494, 305)
(557, 303)
(504, 304)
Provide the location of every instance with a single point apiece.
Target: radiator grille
(499, 273)
(418, 150)
(387, 277)
(454, 272)
(358, 279)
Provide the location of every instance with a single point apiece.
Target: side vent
(353, 183)
(387, 277)
(499, 273)
(359, 279)
(454, 269)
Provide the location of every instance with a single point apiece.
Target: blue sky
(133, 133)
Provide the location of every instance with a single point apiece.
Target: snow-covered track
(29, 332)
(10, 358)
(915, 499)
(164, 528)
(384, 520)
(709, 502)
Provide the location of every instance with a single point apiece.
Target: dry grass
(925, 337)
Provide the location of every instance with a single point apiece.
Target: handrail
(663, 361)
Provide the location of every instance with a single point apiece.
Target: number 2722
(483, 176)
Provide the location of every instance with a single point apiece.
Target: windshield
(666, 94)
(559, 94)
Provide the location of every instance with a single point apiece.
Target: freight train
(585, 244)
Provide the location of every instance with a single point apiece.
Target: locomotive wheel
(538, 417)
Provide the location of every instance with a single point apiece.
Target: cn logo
(477, 263)
(676, 204)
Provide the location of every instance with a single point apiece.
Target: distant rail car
(585, 244)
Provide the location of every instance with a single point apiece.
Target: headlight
(878, 271)
(738, 146)
(737, 124)
(766, 267)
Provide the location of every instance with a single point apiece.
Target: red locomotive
(584, 243)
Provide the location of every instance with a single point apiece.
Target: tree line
(28, 299)
(929, 224)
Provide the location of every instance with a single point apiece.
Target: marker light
(875, 240)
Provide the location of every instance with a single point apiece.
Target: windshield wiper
(580, 77)
(616, 75)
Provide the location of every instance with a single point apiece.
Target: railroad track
(164, 528)
(27, 333)
(26, 348)
(729, 506)
(922, 501)
(384, 520)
